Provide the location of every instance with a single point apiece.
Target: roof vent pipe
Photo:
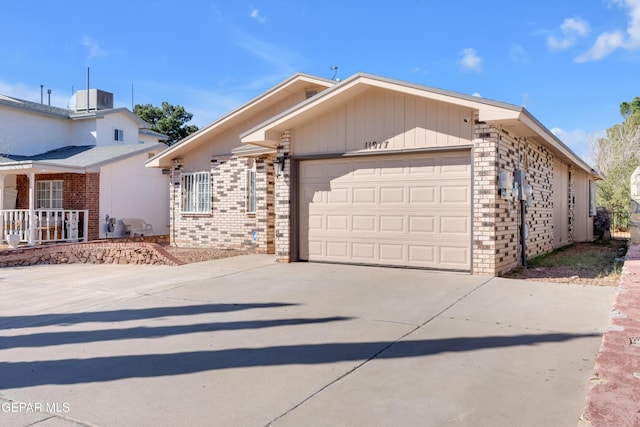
(49, 95)
(41, 94)
(87, 90)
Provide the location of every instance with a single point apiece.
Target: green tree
(627, 109)
(617, 156)
(614, 192)
(169, 120)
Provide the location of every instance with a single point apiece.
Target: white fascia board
(39, 167)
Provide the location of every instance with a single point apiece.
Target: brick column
(282, 200)
(484, 199)
(174, 200)
(265, 221)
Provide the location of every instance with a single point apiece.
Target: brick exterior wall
(228, 225)
(283, 203)
(496, 222)
(80, 191)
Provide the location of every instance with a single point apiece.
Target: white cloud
(519, 54)
(94, 50)
(572, 29)
(255, 14)
(605, 45)
(610, 41)
(470, 60)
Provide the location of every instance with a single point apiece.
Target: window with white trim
(593, 210)
(251, 191)
(118, 135)
(196, 193)
(49, 194)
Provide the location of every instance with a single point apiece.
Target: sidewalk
(614, 399)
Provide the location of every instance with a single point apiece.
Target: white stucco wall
(106, 125)
(128, 189)
(26, 133)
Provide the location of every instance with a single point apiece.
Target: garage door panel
(419, 170)
(364, 195)
(426, 194)
(338, 195)
(454, 164)
(315, 249)
(393, 167)
(454, 255)
(392, 195)
(392, 253)
(337, 223)
(364, 252)
(366, 168)
(422, 224)
(313, 171)
(454, 194)
(363, 223)
(391, 224)
(454, 225)
(422, 254)
(389, 210)
(314, 222)
(338, 250)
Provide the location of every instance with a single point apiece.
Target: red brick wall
(80, 191)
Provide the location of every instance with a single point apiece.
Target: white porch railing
(51, 225)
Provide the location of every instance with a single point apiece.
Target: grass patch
(603, 255)
(592, 263)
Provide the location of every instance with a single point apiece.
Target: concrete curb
(614, 399)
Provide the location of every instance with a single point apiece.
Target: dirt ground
(191, 255)
(596, 264)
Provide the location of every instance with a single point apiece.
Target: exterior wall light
(278, 165)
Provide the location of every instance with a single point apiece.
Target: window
(49, 194)
(251, 191)
(118, 135)
(196, 192)
(593, 211)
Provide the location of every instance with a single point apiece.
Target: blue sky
(570, 63)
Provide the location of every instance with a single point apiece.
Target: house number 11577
(375, 145)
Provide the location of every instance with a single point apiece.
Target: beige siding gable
(223, 141)
(384, 120)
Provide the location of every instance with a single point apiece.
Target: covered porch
(33, 213)
(44, 225)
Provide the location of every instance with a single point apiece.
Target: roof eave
(163, 159)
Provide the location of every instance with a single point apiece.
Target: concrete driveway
(249, 342)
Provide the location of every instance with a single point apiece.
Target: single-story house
(372, 170)
(73, 173)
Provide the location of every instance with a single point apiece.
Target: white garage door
(413, 210)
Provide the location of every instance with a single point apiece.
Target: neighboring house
(63, 171)
(378, 171)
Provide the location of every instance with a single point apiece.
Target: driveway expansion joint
(387, 347)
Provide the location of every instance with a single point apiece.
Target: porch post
(32, 210)
(2, 191)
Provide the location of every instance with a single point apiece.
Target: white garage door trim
(410, 210)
